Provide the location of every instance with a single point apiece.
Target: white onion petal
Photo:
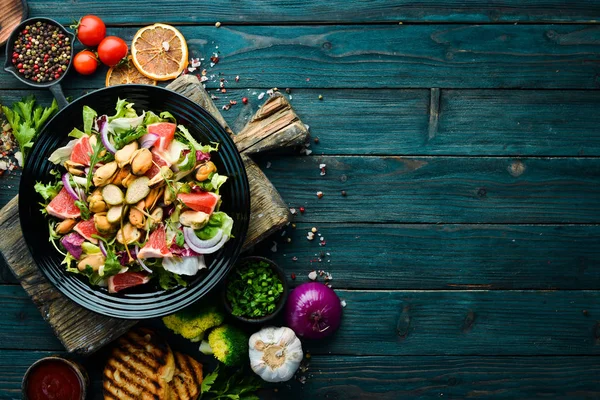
(204, 246)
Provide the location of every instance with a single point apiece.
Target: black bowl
(143, 301)
(280, 302)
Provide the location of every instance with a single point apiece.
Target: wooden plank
(411, 56)
(423, 256)
(441, 189)
(388, 377)
(396, 121)
(466, 323)
(22, 326)
(312, 11)
(375, 378)
(413, 323)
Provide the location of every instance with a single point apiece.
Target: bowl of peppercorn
(255, 290)
(39, 53)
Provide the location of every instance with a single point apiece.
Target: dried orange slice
(159, 52)
(124, 73)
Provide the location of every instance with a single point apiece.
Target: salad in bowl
(134, 197)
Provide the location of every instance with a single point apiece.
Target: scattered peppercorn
(344, 193)
(218, 24)
(244, 100)
(302, 209)
(41, 52)
(316, 140)
(293, 276)
(320, 97)
(319, 194)
(288, 90)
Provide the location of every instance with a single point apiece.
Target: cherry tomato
(111, 50)
(85, 62)
(91, 30)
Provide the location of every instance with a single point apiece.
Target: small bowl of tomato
(56, 378)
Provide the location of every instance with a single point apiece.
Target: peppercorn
(36, 45)
(288, 90)
(244, 100)
(320, 97)
(316, 140)
(293, 276)
(302, 209)
(344, 193)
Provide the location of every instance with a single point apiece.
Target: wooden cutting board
(83, 331)
(13, 12)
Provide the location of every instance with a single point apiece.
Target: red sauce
(53, 380)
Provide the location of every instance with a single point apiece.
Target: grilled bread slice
(140, 367)
(187, 380)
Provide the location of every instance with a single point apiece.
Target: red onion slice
(204, 246)
(102, 248)
(67, 184)
(137, 250)
(148, 140)
(103, 125)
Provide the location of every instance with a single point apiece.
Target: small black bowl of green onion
(255, 290)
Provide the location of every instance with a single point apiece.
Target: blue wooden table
(466, 138)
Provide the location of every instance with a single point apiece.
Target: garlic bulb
(275, 354)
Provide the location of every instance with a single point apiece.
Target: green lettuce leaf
(76, 133)
(88, 119)
(197, 146)
(168, 280)
(48, 191)
(218, 220)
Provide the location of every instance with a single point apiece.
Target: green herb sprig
(26, 121)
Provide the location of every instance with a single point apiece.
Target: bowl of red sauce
(55, 378)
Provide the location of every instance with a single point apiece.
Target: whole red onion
(313, 311)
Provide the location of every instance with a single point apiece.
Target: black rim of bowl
(280, 303)
(8, 66)
(133, 304)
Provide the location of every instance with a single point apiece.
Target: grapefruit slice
(126, 280)
(126, 73)
(158, 160)
(159, 52)
(156, 247)
(201, 201)
(63, 206)
(165, 132)
(87, 229)
(82, 151)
